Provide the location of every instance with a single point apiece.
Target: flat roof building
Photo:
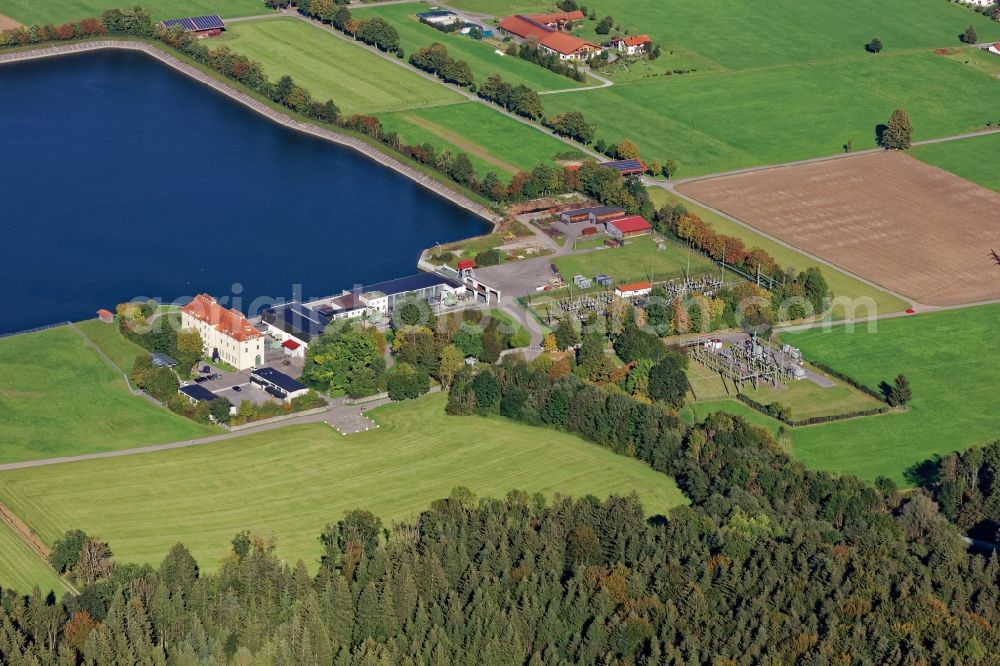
(278, 384)
(385, 296)
(633, 289)
(197, 393)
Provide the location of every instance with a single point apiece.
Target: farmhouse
(199, 26)
(634, 167)
(549, 37)
(994, 48)
(633, 45)
(226, 334)
(628, 227)
(278, 384)
(633, 289)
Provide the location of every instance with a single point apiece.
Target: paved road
(337, 410)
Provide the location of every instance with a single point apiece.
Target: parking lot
(236, 386)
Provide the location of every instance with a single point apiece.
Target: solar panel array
(625, 165)
(196, 23)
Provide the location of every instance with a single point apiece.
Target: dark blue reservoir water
(120, 177)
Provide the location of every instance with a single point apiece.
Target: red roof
(466, 263)
(290, 344)
(635, 286)
(632, 223)
(228, 322)
(104, 313)
(636, 40)
(564, 43)
(523, 27)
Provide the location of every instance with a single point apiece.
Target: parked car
(237, 389)
(205, 368)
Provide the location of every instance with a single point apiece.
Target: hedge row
(763, 409)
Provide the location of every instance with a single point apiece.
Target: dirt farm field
(908, 226)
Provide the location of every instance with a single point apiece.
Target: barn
(634, 167)
(628, 227)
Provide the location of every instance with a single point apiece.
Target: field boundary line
(30, 539)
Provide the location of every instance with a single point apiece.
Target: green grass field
(744, 34)
(969, 158)
(697, 411)
(637, 260)
(59, 398)
(291, 482)
(494, 141)
(332, 67)
(481, 56)
(950, 360)
(807, 399)
(716, 122)
(21, 569)
(841, 285)
(60, 11)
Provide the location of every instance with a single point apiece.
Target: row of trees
(435, 59)
(375, 31)
(519, 99)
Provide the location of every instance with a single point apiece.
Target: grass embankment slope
(21, 568)
(60, 11)
(291, 482)
(757, 98)
(331, 67)
(60, 398)
(971, 159)
(481, 56)
(949, 358)
(494, 141)
(841, 284)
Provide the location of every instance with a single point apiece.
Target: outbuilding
(197, 393)
(633, 45)
(293, 348)
(628, 227)
(633, 167)
(106, 316)
(633, 289)
(994, 48)
(594, 215)
(278, 384)
(199, 26)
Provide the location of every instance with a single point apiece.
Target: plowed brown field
(910, 227)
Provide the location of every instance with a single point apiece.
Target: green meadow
(971, 159)
(716, 122)
(58, 397)
(289, 483)
(495, 142)
(638, 259)
(330, 66)
(21, 568)
(949, 358)
(481, 56)
(60, 11)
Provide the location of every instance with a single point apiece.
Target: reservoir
(120, 177)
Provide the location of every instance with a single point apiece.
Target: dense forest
(770, 564)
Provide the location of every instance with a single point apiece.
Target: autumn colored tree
(627, 150)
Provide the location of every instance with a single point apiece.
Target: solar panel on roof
(196, 23)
